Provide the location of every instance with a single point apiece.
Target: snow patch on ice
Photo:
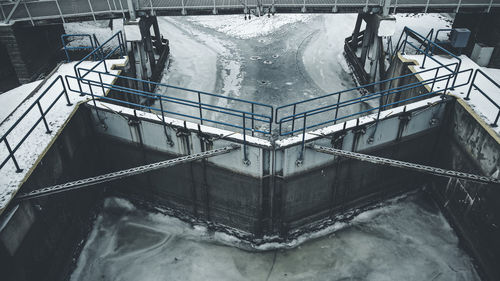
(237, 26)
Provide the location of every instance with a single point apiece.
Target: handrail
(253, 114)
(429, 50)
(356, 89)
(121, 46)
(43, 118)
(303, 115)
(92, 46)
(473, 85)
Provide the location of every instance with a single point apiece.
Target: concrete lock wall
(470, 145)
(42, 235)
(271, 195)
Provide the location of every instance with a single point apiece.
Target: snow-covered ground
(11, 99)
(36, 143)
(407, 239)
(481, 105)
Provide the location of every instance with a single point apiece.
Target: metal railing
(93, 44)
(201, 106)
(36, 104)
(62, 10)
(103, 55)
(430, 48)
(476, 87)
(328, 106)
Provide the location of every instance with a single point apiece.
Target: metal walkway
(75, 10)
(123, 173)
(406, 165)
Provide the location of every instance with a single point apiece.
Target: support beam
(406, 165)
(122, 174)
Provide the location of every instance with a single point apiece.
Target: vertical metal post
(337, 109)
(494, 124)
(109, 5)
(426, 7)
(489, 6)
(253, 122)
(293, 119)
(43, 118)
(245, 156)
(199, 106)
(471, 85)
(11, 155)
(65, 91)
(434, 80)
(301, 155)
(102, 84)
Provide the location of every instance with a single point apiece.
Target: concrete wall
(39, 237)
(469, 145)
(271, 195)
(31, 49)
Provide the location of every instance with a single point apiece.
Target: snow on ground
(481, 105)
(35, 144)
(102, 30)
(11, 99)
(406, 239)
(237, 26)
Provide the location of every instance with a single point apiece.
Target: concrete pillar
(31, 50)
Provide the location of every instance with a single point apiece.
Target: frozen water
(406, 239)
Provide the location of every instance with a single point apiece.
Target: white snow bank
(37, 141)
(237, 26)
(11, 99)
(101, 29)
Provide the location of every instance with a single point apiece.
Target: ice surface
(406, 239)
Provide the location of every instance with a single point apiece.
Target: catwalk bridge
(77, 10)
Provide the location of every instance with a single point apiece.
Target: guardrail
(201, 106)
(428, 51)
(43, 118)
(328, 106)
(92, 39)
(475, 86)
(103, 56)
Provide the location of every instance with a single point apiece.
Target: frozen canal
(404, 240)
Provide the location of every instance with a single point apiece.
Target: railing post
(301, 155)
(293, 119)
(65, 91)
(471, 85)
(199, 107)
(245, 156)
(253, 121)
(11, 155)
(102, 84)
(337, 109)
(494, 124)
(434, 80)
(43, 118)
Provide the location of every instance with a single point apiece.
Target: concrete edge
(54, 138)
